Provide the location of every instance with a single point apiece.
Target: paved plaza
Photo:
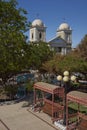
(17, 117)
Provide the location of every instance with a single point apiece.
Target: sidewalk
(2, 127)
(44, 117)
(17, 117)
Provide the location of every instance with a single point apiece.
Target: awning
(46, 87)
(78, 97)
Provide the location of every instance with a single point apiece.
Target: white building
(61, 43)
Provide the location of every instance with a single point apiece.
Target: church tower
(37, 31)
(64, 31)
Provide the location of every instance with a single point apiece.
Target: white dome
(64, 26)
(37, 22)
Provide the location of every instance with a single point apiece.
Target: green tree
(37, 54)
(72, 62)
(82, 47)
(13, 25)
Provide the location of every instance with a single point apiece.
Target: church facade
(61, 43)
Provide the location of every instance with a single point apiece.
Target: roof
(46, 87)
(57, 42)
(64, 26)
(78, 97)
(37, 22)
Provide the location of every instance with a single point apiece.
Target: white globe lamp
(65, 78)
(73, 78)
(59, 77)
(66, 73)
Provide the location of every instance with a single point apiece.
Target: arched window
(32, 36)
(40, 35)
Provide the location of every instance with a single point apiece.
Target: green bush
(29, 86)
(11, 90)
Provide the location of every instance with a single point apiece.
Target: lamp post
(66, 79)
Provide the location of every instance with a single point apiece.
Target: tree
(13, 25)
(72, 62)
(37, 54)
(82, 47)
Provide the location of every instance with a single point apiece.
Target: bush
(29, 86)
(11, 90)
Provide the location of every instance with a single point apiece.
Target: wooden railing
(73, 115)
(47, 108)
(83, 116)
(58, 105)
(57, 108)
(81, 125)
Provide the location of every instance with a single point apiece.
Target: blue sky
(53, 13)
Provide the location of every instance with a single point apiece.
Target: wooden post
(34, 96)
(52, 106)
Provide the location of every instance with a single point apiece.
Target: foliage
(75, 61)
(82, 48)
(50, 66)
(74, 85)
(36, 54)
(13, 25)
(74, 106)
(11, 90)
(29, 86)
(15, 54)
(72, 62)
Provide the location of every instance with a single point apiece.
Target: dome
(37, 22)
(64, 26)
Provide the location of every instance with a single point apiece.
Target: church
(61, 43)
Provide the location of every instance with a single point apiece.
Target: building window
(32, 36)
(40, 35)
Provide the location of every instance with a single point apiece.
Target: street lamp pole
(65, 92)
(66, 79)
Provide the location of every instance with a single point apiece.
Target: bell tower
(37, 31)
(65, 32)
